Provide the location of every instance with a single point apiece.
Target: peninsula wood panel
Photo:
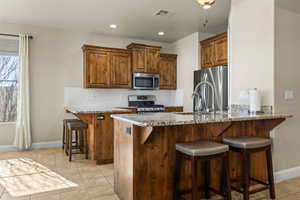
(149, 166)
(168, 71)
(214, 51)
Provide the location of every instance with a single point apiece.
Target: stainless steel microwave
(143, 81)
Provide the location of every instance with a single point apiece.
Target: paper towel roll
(254, 100)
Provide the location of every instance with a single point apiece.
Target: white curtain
(23, 130)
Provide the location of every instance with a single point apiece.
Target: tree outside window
(8, 87)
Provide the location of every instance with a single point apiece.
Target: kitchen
(134, 88)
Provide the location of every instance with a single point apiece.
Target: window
(9, 62)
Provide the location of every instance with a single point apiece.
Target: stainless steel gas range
(144, 103)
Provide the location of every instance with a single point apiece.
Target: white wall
(251, 38)
(187, 50)
(287, 71)
(55, 63)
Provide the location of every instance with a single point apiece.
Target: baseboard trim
(37, 145)
(287, 174)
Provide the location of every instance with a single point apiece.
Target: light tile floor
(96, 181)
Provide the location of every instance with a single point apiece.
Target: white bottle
(254, 100)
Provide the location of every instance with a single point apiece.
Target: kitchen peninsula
(100, 128)
(144, 149)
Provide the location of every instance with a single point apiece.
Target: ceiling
(135, 18)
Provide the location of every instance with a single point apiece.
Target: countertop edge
(191, 122)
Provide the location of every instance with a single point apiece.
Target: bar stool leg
(177, 176)
(270, 173)
(246, 172)
(85, 143)
(67, 141)
(64, 136)
(206, 179)
(226, 182)
(194, 179)
(70, 144)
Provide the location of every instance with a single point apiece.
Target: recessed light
(206, 6)
(160, 33)
(114, 26)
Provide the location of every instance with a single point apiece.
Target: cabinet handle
(100, 117)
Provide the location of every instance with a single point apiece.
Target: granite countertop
(94, 109)
(172, 119)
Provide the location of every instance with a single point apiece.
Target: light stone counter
(173, 119)
(94, 109)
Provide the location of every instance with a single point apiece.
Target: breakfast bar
(144, 149)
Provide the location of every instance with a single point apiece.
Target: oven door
(143, 81)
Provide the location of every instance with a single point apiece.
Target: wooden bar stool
(65, 129)
(79, 130)
(246, 145)
(202, 151)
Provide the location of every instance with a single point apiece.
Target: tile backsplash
(75, 96)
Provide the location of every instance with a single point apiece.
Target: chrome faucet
(197, 94)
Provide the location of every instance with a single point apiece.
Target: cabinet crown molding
(93, 47)
(137, 45)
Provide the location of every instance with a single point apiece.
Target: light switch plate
(289, 95)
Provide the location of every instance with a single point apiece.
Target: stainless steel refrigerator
(218, 77)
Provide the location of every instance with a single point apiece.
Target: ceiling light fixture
(206, 4)
(161, 33)
(114, 26)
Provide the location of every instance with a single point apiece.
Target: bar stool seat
(202, 148)
(247, 142)
(77, 125)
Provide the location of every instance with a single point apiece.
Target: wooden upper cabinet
(207, 54)
(120, 70)
(167, 71)
(97, 71)
(139, 60)
(106, 67)
(214, 51)
(153, 56)
(221, 48)
(145, 58)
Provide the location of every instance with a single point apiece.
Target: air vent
(163, 13)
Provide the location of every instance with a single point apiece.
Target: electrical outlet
(289, 95)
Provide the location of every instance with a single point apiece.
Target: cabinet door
(167, 68)
(207, 54)
(221, 51)
(153, 57)
(120, 70)
(139, 60)
(97, 71)
(104, 138)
